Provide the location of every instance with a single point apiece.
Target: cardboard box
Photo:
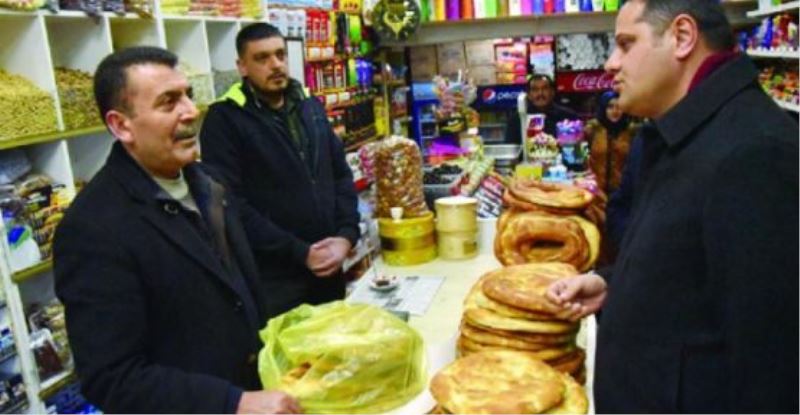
(483, 75)
(480, 53)
(451, 58)
(423, 63)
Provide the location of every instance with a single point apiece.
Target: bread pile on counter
(517, 349)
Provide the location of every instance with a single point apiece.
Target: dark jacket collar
(293, 95)
(705, 100)
(141, 186)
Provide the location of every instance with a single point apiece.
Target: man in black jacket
(701, 310)
(276, 150)
(540, 100)
(161, 293)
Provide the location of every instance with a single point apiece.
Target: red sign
(588, 81)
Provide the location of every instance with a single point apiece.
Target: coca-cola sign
(588, 81)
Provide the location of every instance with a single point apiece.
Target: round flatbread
(485, 318)
(541, 354)
(574, 401)
(525, 286)
(476, 298)
(535, 338)
(570, 363)
(498, 382)
(592, 235)
(492, 339)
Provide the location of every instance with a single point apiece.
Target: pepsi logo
(489, 96)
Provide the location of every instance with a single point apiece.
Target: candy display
(76, 96)
(571, 140)
(175, 7)
(777, 32)
(398, 173)
(24, 108)
(50, 317)
(26, 5)
(781, 84)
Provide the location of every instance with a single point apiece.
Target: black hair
(110, 78)
(541, 77)
(255, 31)
(709, 15)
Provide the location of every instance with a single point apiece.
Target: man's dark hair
(541, 77)
(711, 20)
(111, 78)
(255, 31)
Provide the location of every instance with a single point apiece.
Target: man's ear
(240, 66)
(120, 126)
(685, 34)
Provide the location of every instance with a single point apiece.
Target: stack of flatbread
(507, 310)
(505, 382)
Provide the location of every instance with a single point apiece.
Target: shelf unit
(788, 106)
(785, 7)
(774, 54)
(551, 24)
(36, 43)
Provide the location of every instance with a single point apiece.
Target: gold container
(407, 241)
(458, 245)
(456, 214)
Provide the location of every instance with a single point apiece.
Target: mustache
(188, 131)
(277, 76)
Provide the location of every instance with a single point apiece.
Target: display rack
(551, 24)
(35, 44)
(788, 106)
(785, 7)
(774, 54)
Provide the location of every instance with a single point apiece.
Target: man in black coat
(276, 150)
(701, 310)
(540, 100)
(162, 300)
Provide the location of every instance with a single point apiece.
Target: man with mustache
(700, 309)
(276, 150)
(540, 100)
(161, 293)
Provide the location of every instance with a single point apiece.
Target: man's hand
(580, 295)
(326, 256)
(268, 402)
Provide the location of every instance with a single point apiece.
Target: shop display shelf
(8, 356)
(774, 54)
(788, 105)
(785, 7)
(53, 384)
(19, 407)
(358, 145)
(31, 272)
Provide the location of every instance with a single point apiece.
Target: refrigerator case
(495, 104)
(423, 120)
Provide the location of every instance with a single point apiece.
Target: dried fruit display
(76, 95)
(24, 108)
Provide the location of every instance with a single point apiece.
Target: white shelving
(35, 43)
(788, 106)
(774, 54)
(785, 7)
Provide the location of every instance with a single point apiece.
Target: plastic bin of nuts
(24, 109)
(76, 96)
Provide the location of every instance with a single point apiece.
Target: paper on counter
(413, 294)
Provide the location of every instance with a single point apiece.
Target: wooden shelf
(525, 26)
(787, 105)
(56, 383)
(785, 7)
(48, 137)
(774, 54)
(358, 145)
(28, 273)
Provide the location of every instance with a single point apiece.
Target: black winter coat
(288, 201)
(156, 322)
(701, 314)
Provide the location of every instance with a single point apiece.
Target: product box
(451, 58)
(515, 52)
(423, 63)
(480, 53)
(483, 74)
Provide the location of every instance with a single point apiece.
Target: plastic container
(407, 241)
(458, 245)
(456, 214)
(435, 191)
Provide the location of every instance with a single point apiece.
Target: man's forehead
(154, 79)
(265, 45)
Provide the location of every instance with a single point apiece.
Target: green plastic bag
(342, 358)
